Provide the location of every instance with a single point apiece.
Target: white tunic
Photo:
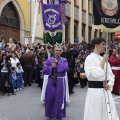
(99, 102)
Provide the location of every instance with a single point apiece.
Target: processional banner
(106, 15)
(51, 17)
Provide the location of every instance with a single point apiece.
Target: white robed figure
(99, 103)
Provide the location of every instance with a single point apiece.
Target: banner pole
(53, 41)
(35, 21)
(106, 77)
(106, 53)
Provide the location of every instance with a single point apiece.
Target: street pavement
(26, 105)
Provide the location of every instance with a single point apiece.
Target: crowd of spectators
(21, 65)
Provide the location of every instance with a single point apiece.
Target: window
(95, 33)
(83, 31)
(75, 2)
(9, 16)
(90, 32)
(75, 29)
(67, 30)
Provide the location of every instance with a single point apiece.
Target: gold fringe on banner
(103, 28)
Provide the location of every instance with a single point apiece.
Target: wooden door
(15, 34)
(8, 32)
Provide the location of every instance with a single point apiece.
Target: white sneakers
(19, 89)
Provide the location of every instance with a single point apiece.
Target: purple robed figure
(55, 102)
(60, 1)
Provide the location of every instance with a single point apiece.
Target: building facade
(79, 22)
(17, 20)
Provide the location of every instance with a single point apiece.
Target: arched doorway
(9, 23)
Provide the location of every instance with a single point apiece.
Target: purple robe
(55, 102)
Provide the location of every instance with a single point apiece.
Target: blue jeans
(19, 80)
(14, 84)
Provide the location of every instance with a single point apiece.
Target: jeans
(14, 84)
(4, 78)
(19, 80)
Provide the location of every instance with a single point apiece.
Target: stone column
(87, 22)
(93, 30)
(98, 33)
(80, 22)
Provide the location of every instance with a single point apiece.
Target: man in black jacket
(70, 73)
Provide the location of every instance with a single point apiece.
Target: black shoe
(85, 85)
(13, 93)
(3, 94)
(82, 86)
(71, 92)
(29, 84)
(25, 85)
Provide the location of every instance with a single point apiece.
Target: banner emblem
(110, 7)
(51, 19)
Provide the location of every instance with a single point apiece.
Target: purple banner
(51, 17)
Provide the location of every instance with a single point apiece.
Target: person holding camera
(5, 71)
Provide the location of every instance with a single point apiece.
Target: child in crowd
(14, 78)
(5, 49)
(19, 76)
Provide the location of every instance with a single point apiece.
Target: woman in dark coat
(5, 71)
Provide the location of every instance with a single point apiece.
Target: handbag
(83, 76)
